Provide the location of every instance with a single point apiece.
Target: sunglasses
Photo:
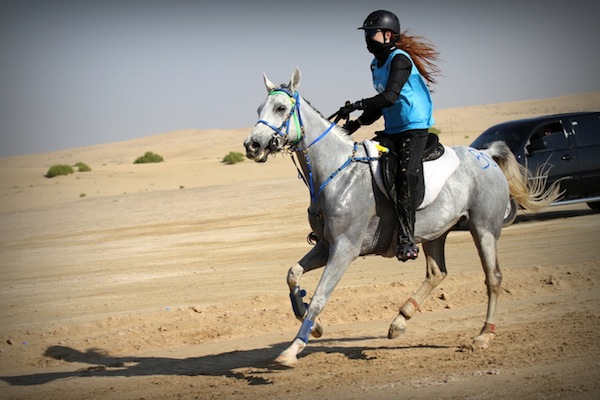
(371, 32)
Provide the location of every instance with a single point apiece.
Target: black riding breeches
(409, 146)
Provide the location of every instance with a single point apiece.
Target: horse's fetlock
(405, 314)
(409, 308)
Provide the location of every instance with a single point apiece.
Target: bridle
(280, 142)
(280, 139)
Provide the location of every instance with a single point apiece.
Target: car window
(587, 129)
(548, 137)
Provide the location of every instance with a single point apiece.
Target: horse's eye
(280, 109)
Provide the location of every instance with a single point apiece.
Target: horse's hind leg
(436, 272)
(486, 243)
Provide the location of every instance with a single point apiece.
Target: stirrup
(407, 250)
(312, 239)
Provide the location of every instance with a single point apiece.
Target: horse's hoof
(483, 341)
(286, 360)
(397, 328)
(289, 357)
(395, 332)
(317, 330)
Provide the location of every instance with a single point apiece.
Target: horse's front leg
(316, 258)
(340, 257)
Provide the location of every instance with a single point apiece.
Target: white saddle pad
(435, 172)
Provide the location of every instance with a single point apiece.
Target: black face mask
(379, 50)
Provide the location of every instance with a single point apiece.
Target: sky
(78, 73)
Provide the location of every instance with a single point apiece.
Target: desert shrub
(148, 157)
(82, 167)
(59, 169)
(233, 157)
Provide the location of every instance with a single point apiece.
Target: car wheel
(511, 213)
(594, 205)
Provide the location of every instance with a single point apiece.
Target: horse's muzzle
(255, 151)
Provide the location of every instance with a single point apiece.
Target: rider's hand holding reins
(345, 111)
(352, 126)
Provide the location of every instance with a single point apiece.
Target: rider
(402, 68)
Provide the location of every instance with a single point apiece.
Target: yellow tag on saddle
(381, 149)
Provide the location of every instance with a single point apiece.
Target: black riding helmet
(382, 19)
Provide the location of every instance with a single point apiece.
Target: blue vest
(413, 109)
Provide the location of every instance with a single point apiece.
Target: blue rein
(280, 134)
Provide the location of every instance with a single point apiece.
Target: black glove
(352, 126)
(345, 111)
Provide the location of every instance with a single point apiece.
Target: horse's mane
(337, 130)
(423, 53)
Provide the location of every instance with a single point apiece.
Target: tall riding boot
(405, 209)
(410, 153)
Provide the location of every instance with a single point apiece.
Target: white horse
(353, 217)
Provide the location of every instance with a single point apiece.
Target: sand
(162, 281)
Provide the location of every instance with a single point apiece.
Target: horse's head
(279, 123)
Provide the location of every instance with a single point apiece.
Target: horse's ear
(270, 86)
(295, 80)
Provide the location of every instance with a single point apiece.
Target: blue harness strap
(321, 136)
(351, 159)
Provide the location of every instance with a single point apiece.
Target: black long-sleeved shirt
(400, 68)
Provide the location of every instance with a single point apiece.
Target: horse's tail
(528, 192)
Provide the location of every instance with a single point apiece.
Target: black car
(566, 146)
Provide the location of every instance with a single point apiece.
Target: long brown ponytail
(423, 53)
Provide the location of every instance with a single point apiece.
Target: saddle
(439, 162)
(389, 163)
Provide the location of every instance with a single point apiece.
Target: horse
(352, 216)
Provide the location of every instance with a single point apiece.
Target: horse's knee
(293, 276)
